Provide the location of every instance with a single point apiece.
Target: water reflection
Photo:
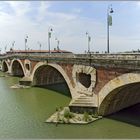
(23, 112)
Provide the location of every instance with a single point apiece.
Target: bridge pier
(83, 109)
(83, 104)
(25, 81)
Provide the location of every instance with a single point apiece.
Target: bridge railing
(122, 56)
(68, 55)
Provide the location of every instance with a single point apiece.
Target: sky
(70, 20)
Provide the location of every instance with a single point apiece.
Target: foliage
(56, 109)
(86, 117)
(95, 115)
(68, 114)
(59, 109)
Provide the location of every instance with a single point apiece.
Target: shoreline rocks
(64, 116)
(17, 86)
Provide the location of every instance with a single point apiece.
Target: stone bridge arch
(5, 66)
(119, 93)
(17, 68)
(57, 68)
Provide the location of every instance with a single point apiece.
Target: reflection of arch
(119, 93)
(5, 66)
(56, 67)
(17, 68)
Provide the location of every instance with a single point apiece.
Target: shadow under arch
(5, 66)
(129, 115)
(120, 98)
(17, 68)
(119, 93)
(51, 77)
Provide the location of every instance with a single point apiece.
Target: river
(23, 113)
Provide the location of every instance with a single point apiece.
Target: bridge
(105, 83)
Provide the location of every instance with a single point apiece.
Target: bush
(68, 114)
(95, 115)
(61, 108)
(56, 109)
(86, 117)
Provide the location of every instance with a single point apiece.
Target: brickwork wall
(22, 61)
(105, 75)
(33, 63)
(68, 69)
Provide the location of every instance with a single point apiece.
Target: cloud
(77, 10)
(138, 3)
(120, 44)
(16, 26)
(69, 28)
(20, 8)
(42, 10)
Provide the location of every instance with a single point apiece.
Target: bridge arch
(121, 92)
(57, 71)
(17, 68)
(5, 66)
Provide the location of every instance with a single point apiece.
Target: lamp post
(49, 36)
(89, 39)
(13, 43)
(6, 48)
(26, 42)
(109, 23)
(39, 45)
(57, 44)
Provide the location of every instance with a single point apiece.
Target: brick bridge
(105, 83)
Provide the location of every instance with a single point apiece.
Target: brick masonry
(107, 80)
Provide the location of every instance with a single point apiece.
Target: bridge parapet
(119, 56)
(126, 61)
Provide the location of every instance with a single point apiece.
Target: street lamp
(49, 36)
(89, 39)
(109, 23)
(26, 42)
(57, 43)
(39, 45)
(6, 48)
(13, 43)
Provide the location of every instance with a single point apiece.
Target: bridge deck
(125, 61)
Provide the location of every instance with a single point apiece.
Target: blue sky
(70, 21)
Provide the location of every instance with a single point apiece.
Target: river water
(23, 113)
